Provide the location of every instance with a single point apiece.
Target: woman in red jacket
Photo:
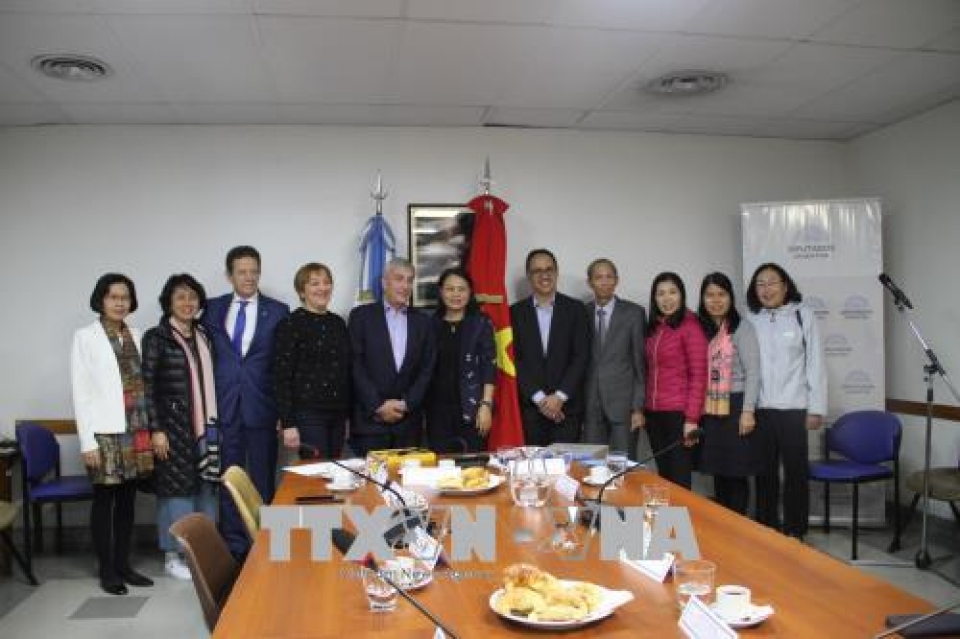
(676, 356)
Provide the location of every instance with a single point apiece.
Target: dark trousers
(781, 438)
(448, 433)
(664, 428)
(540, 431)
(598, 428)
(254, 450)
(111, 526)
(732, 492)
(323, 431)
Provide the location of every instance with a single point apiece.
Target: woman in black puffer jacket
(182, 407)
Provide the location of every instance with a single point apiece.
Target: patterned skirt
(120, 461)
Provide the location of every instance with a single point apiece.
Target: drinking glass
(617, 463)
(529, 484)
(381, 596)
(654, 496)
(694, 578)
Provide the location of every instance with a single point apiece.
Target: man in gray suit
(615, 378)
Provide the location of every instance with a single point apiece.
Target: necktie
(238, 327)
(601, 326)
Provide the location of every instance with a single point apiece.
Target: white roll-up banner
(833, 251)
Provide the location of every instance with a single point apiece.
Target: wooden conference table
(814, 595)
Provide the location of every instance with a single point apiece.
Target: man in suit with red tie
(241, 325)
(394, 350)
(552, 350)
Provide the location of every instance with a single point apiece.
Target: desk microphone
(899, 297)
(343, 539)
(591, 514)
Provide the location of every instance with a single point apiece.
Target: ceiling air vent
(688, 83)
(76, 68)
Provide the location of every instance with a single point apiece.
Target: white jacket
(792, 370)
(97, 387)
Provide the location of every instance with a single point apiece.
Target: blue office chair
(43, 483)
(866, 439)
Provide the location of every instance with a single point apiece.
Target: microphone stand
(931, 368)
(343, 539)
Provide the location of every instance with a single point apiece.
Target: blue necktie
(238, 327)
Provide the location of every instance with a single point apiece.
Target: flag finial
(486, 181)
(379, 195)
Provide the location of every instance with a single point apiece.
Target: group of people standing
(222, 382)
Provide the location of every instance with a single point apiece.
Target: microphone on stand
(591, 513)
(899, 297)
(343, 539)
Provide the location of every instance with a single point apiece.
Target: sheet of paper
(697, 621)
(656, 569)
(318, 469)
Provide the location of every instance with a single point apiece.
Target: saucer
(756, 615)
(590, 481)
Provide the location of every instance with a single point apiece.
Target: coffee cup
(599, 474)
(733, 602)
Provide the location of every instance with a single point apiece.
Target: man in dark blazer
(394, 350)
(241, 326)
(615, 377)
(551, 344)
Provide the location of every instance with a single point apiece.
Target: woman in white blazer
(109, 406)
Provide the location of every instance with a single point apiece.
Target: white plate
(495, 481)
(611, 600)
(589, 481)
(341, 488)
(758, 614)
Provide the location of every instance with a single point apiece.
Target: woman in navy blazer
(459, 403)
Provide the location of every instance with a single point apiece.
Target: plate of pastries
(470, 481)
(535, 598)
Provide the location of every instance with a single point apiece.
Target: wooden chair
(246, 497)
(213, 568)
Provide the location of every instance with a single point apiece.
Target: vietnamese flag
(487, 265)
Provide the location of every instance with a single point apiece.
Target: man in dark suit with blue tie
(241, 325)
(394, 350)
(551, 346)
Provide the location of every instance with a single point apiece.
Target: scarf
(134, 397)
(720, 363)
(202, 394)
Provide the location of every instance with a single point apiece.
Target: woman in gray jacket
(733, 383)
(793, 396)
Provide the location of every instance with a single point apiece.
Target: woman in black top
(312, 368)
(459, 403)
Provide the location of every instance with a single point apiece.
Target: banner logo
(856, 307)
(858, 382)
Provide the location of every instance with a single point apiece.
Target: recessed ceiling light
(688, 82)
(72, 67)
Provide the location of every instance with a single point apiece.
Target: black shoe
(113, 586)
(134, 578)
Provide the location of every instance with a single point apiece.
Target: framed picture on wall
(439, 239)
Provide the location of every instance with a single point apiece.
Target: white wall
(149, 201)
(914, 167)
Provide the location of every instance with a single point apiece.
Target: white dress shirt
(251, 326)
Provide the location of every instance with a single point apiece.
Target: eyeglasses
(769, 283)
(543, 271)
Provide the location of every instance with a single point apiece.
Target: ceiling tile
(641, 15)
(30, 113)
(766, 18)
(892, 23)
(629, 120)
(899, 86)
(13, 89)
(557, 118)
(47, 6)
(225, 113)
(329, 60)
(379, 115)
(215, 58)
(119, 113)
(512, 11)
(947, 42)
(814, 129)
(338, 8)
(717, 125)
(192, 7)
(23, 36)
(460, 64)
(575, 68)
(820, 66)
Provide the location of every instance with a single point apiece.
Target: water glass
(694, 578)
(617, 463)
(529, 485)
(381, 596)
(654, 496)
